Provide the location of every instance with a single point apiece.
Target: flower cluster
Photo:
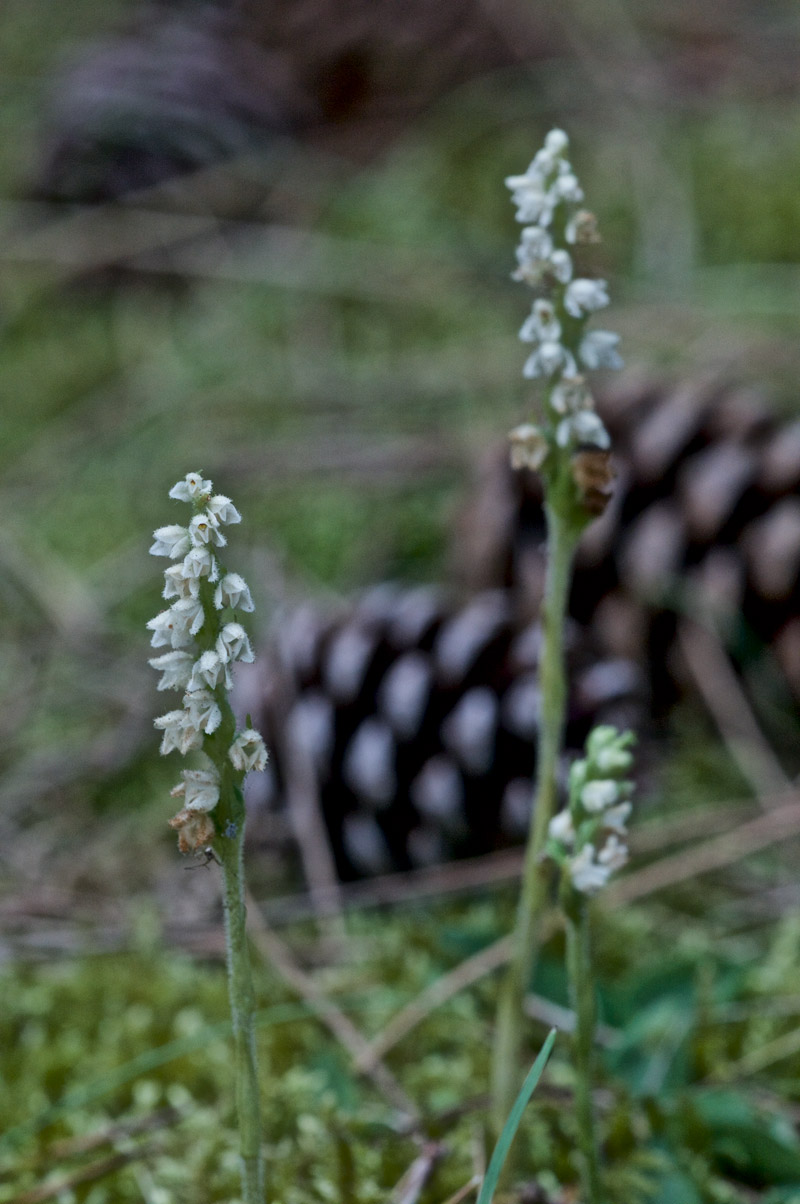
(548, 199)
(204, 640)
(588, 837)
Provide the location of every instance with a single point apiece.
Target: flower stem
(507, 1059)
(242, 1001)
(579, 968)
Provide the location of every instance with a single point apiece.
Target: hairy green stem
(507, 1061)
(242, 1001)
(581, 987)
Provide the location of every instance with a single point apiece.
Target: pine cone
(187, 87)
(705, 520)
(418, 719)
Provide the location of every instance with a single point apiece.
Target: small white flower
(599, 349)
(233, 591)
(582, 429)
(613, 760)
(598, 795)
(561, 266)
(541, 325)
(207, 672)
(177, 584)
(587, 875)
(585, 296)
(533, 254)
(567, 188)
(248, 752)
(571, 395)
(199, 789)
(613, 855)
(203, 710)
(615, 818)
(533, 201)
(562, 829)
(169, 628)
(556, 142)
(204, 529)
(529, 447)
(223, 509)
(172, 541)
(176, 668)
(200, 563)
(190, 488)
(547, 359)
(233, 644)
(179, 733)
(190, 612)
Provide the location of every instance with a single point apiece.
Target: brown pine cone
(418, 719)
(704, 521)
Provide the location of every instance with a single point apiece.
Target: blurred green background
(335, 361)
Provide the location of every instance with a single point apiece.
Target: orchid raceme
(587, 838)
(205, 639)
(587, 842)
(549, 199)
(203, 612)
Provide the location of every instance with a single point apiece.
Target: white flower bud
(176, 668)
(200, 563)
(599, 349)
(172, 541)
(613, 855)
(561, 266)
(233, 591)
(208, 671)
(203, 710)
(547, 359)
(177, 584)
(585, 296)
(599, 794)
(556, 142)
(248, 752)
(170, 628)
(179, 733)
(189, 611)
(582, 429)
(567, 188)
(615, 819)
(562, 829)
(204, 529)
(191, 488)
(233, 644)
(541, 325)
(199, 789)
(587, 875)
(223, 509)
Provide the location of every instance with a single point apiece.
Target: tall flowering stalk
(587, 842)
(201, 629)
(569, 447)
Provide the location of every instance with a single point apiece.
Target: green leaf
(512, 1124)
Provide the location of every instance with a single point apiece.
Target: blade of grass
(512, 1123)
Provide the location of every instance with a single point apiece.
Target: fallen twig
(407, 1191)
(723, 695)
